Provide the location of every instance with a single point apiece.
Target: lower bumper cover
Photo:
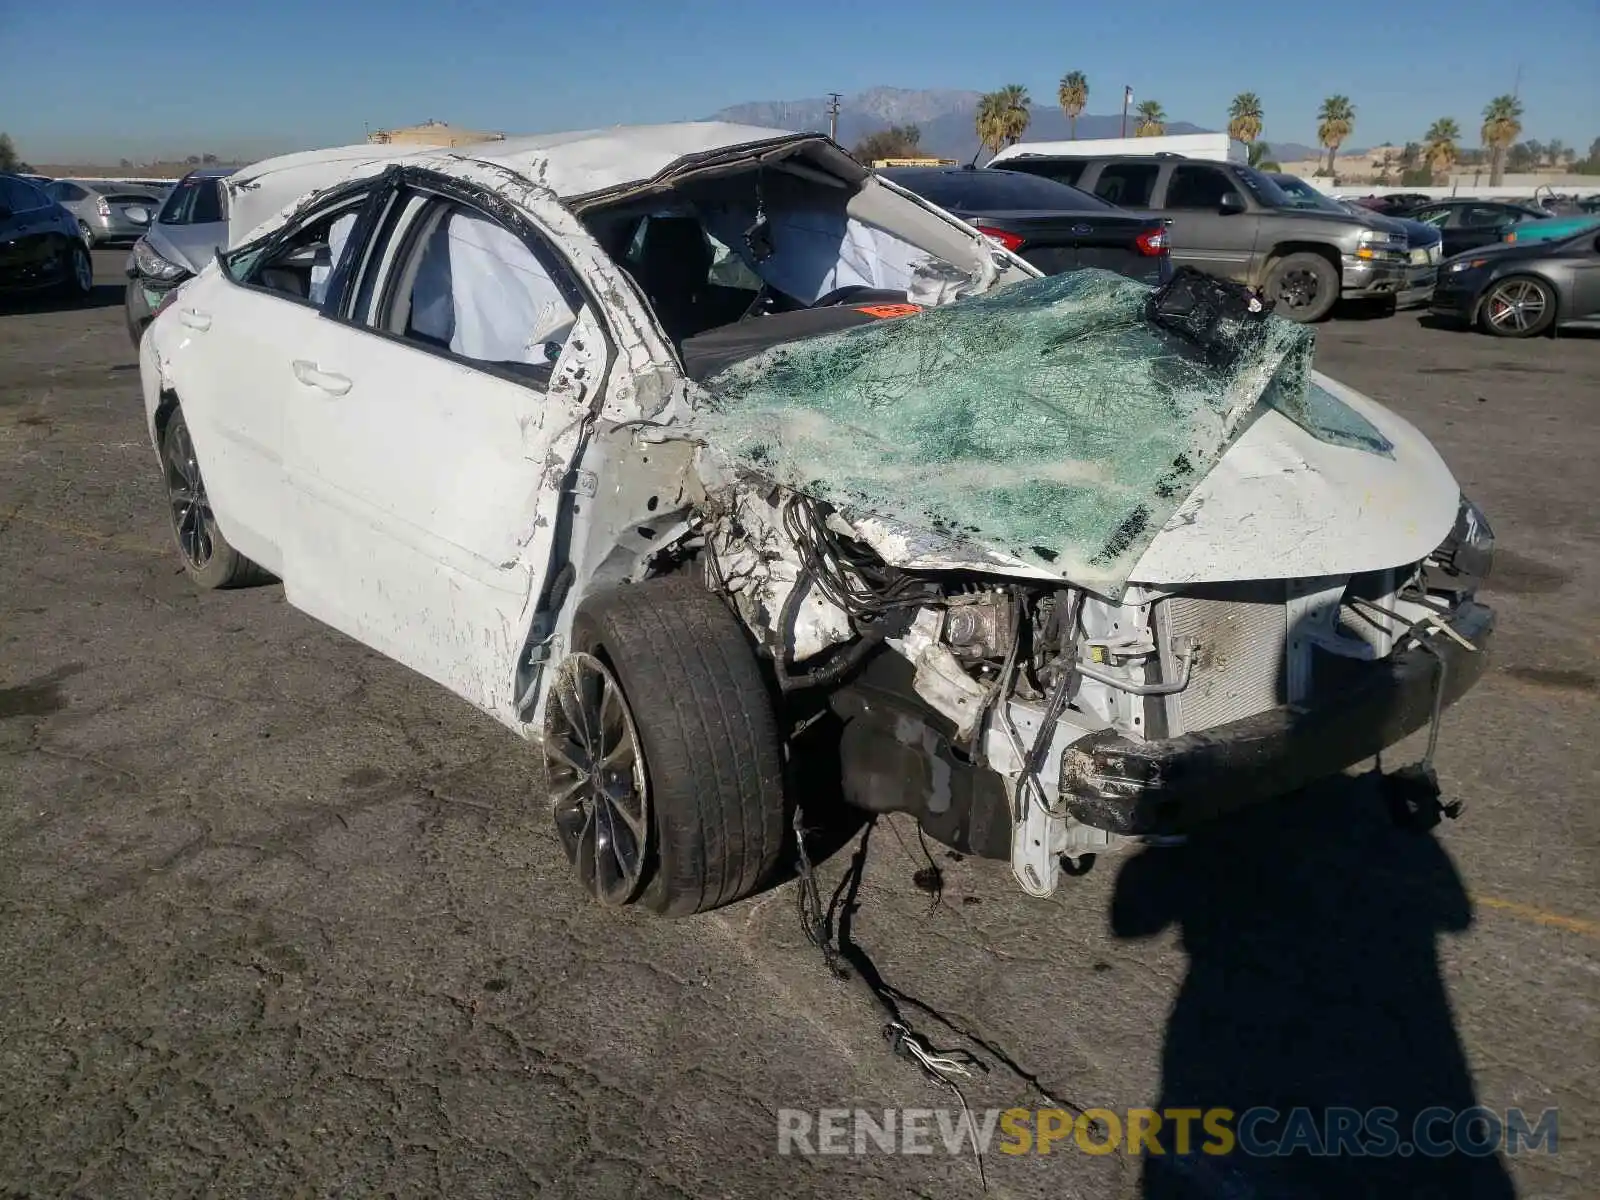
(1363, 278)
(1453, 303)
(1167, 787)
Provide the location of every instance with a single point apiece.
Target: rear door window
(1197, 187)
(1127, 185)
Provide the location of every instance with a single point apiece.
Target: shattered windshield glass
(1051, 420)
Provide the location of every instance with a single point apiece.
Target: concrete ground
(278, 917)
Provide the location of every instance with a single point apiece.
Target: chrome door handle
(195, 319)
(308, 374)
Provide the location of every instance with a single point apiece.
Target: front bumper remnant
(1169, 787)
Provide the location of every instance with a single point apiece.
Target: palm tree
(990, 124)
(1152, 119)
(1244, 118)
(1335, 119)
(1260, 157)
(1014, 101)
(1502, 121)
(1073, 96)
(1440, 144)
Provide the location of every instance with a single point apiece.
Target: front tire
(662, 753)
(207, 557)
(1517, 307)
(1303, 287)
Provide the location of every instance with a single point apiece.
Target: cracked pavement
(278, 917)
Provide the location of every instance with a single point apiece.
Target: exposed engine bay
(964, 693)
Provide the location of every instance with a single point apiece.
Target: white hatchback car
(655, 443)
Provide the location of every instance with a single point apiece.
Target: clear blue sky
(93, 78)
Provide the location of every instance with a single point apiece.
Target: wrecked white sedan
(656, 443)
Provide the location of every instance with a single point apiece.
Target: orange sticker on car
(889, 310)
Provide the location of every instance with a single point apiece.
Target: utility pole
(833, 115)
(1127, 99)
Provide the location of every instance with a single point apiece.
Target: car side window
(1127, 185)
(299, 263)
(1432, 216)
(20, 196)
(1197, 187)
(467, 286)
(1478, 216)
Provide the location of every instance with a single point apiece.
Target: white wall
(1514, 186)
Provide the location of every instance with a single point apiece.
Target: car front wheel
(1303, 287)
(661, 751)
(1518, 307)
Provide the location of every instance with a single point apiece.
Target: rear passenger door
(1212, 227)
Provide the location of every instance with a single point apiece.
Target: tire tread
(709, 736)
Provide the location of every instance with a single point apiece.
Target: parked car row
(1277, 232)
(1233, 221)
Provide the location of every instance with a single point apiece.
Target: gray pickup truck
(1233, 221)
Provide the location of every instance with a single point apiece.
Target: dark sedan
(1519, 290)
(1468, 224)
(1052, 226)
(40, 250)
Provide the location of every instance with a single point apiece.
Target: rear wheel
(1302, 287)
(207, 557)
(665, 777)
(1518, 307)
(86, 234)
(79, 280)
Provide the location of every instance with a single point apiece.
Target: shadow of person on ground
(1313, 983)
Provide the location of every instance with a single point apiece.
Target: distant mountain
(946, 118)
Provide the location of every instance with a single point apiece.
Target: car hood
(1360, 220)
(1054, 430)
(1282, 503)
(190, 246)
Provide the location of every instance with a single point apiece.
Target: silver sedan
(106, 211)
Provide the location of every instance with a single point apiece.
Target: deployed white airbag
(817, 250)
(507, 308)
(480, 290)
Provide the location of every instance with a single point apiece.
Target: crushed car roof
(571, 164)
